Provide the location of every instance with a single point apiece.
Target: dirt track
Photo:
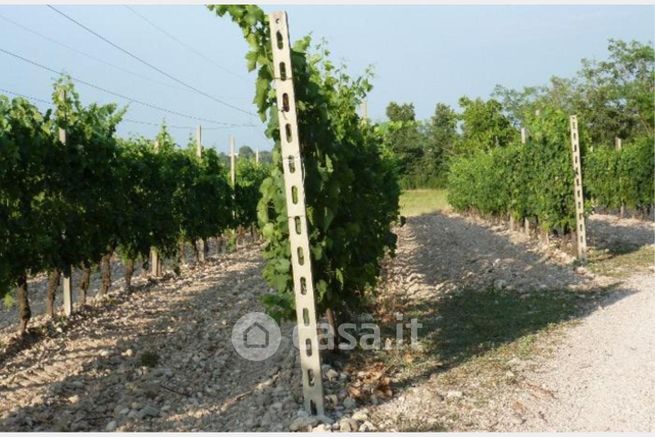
(603, 374)
(595, 375)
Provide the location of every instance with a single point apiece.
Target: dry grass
(423, 201)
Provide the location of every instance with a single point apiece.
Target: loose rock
(349, 403)
(303, 423)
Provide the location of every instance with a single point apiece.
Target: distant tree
(442, 130)
(401, 112)
(265, 156)
(521, 106)
(612, 98)
(440, 137)
(246, 152)
(402, 137)
(225, 159)
(484, 126)
(615, 97)
(164, 139)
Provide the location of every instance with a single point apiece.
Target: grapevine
(351, 188)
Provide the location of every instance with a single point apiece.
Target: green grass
(472, 323)
(8, 301)
(423, 201)
(622, 263)
(480, 342)
(481, 327)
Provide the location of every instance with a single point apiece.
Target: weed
(149, 359)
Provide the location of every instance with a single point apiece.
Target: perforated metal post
(200, 244)
(155, 260)
(199, 141)
(233, 180)
(578, 192)
(233, 167)
(526, 221)
(303, 283)
(618, 145)
(66, 281)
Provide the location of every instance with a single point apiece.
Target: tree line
(613, 98)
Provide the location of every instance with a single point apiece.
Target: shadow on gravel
(605, 234)
(60, 325)
(186, 363)
(484, 292)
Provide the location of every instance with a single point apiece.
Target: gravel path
(603, 375)
(85, 374)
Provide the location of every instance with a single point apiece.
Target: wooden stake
(578, 192)
(303, 283)
(66, 281)
(365, 111)
(257, 156)
(155, 263)
(524, 135)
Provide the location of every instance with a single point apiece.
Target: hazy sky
(421, 54)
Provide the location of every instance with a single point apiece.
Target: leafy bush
(250, 176)
(534, 180)
(68, 204)
(27, 153)
(615, 178)
(601, 177)
(351, 189)
(636, 171)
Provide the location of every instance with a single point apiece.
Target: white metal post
(303, 284)
(66, 281)
(199, 141)
(233, 180)
(155, 260)
(524, 140)
(618, 145)
(233, 170)
(581, 233)
(200, 244)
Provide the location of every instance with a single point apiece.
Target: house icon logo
(256, 336)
